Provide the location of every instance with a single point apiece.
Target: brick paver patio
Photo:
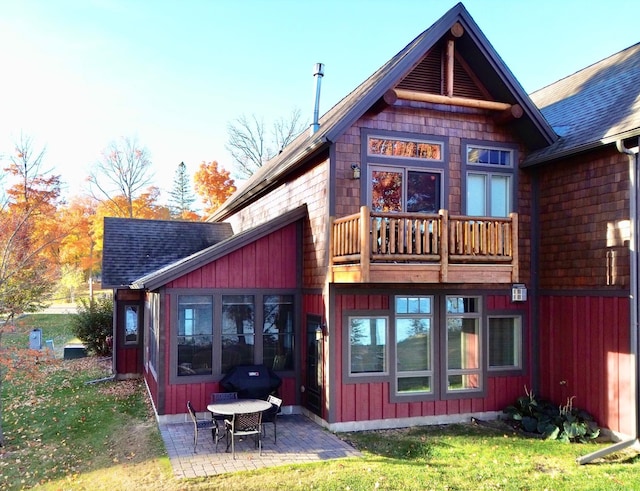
(300, 441)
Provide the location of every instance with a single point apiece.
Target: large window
(277, 332)
(489, 180)
(403, 174)
(153, 318)
(505, 342)
(367, 345)
(238, 330)
(195, 335)
(414, 345)
(215, 332)
(463, 335)
(404, 189)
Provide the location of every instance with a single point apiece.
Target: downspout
(632, 155)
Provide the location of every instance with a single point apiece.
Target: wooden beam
(387, 100)
(412, 95)
(509, 114)
(449, 68)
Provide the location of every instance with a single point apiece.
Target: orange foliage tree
(30, 233)
(213, 185)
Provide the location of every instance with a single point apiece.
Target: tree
(214, 185)
(248, 143)
(30, 233)
(124, 170)
(181, 195)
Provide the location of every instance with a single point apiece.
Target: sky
(77, 75)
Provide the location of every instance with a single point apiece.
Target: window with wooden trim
(504, 342)
(463, 344)
(490, 175)
(404, 174)
(414, 345)
(368, 345)
(195, 335)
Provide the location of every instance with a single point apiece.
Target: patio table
(238, 406)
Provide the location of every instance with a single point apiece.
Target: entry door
(313, 386)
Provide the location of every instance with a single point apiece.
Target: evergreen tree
(181, 195)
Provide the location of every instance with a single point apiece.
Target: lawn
(64, 433)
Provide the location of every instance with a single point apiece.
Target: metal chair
(270, 416)
(202, 424)
(244, 424)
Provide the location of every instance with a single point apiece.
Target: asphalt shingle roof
(134, 247)
(596, 105)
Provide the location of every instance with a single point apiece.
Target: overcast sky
(78, 74)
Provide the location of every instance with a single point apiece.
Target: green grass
(62, 433)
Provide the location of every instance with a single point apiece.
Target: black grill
(251, 381)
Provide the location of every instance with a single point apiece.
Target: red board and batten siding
(369, 401)
(269, 262)
(585, 352)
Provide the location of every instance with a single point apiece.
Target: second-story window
(490, 174)
(404, 174)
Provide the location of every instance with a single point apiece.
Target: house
(441, 241)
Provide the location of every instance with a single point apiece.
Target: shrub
(93, 324)
(565, 423)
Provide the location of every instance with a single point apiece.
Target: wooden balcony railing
(438, 241)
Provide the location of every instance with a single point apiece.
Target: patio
(300, 441)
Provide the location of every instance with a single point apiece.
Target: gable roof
(134, 247)
(162, 276)
(593, 107)
(478, 53)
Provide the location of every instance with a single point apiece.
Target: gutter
(634, 286)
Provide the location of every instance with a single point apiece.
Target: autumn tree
(182, 196)
(251, 144)
(29, 244)
(123, 172)
(79, 256)
(30, 234)
(213, 185)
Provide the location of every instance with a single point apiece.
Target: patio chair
(244, 424)
(270, 416)
(202, 424)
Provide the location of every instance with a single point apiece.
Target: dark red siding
(371, 400)
(585, 352)
(269, 262)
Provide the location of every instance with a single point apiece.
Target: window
(505, 342)
(489, 180)
(404, 189)
(367, 345)
(238, 330)
(153, 308)
(131, 327)
(277, 332)
(403, 174)
(463, 334)
(195, 335)
(414, 345)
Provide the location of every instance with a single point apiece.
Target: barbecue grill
(251, 381)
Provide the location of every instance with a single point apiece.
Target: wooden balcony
(373, 247)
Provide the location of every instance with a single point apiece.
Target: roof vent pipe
(318, 73)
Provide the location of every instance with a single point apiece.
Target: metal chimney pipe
(318, 73)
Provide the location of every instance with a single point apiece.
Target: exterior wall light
(518, 292)
(319, 333)
(356, 170)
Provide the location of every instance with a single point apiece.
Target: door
(312, 396)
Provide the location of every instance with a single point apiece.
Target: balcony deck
(374, 247)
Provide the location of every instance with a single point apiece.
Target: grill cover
(251, 381)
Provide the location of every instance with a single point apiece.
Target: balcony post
(365, 243)
(515, 268)
(444, 245)
(332, 237)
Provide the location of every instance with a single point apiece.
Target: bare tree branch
(124, 170)
(247, 141)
